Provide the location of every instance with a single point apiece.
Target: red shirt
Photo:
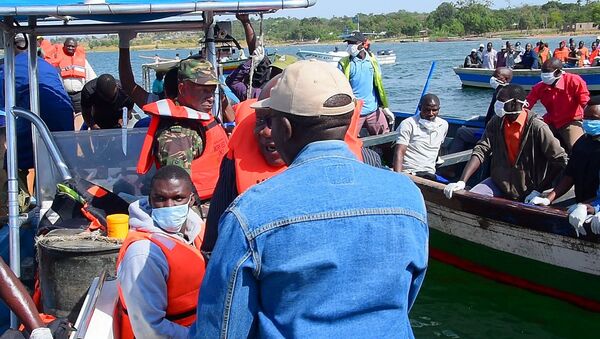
(512, 136)
(564, 102)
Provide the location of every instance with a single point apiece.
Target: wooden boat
(530, 247)
(480, 77)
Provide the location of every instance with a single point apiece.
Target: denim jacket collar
(323, 149)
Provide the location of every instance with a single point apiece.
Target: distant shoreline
(504, 35)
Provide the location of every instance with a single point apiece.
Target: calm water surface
(452, 303)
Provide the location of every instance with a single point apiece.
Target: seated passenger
(471, 60)
(102, 102)
(253, 158)
(584, 162)
(160, 268)
(526, 155)
(466, 137)
(184, 133)
(420, 138)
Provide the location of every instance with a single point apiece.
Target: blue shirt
(56, 108)
(362, 77)
(329, 248)
(157, 86)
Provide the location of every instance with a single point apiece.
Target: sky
(329, 8)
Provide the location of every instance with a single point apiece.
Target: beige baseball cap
(304, 88)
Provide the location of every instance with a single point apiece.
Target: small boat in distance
(480, 77)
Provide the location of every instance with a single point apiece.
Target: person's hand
(595, 223)
(125, 38)
(243, 17)
(577, 216)
(540, 201)
(61, 328)
(41, 333)
(452, 187)
(391, 118)
(531, 195)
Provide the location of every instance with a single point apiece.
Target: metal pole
(48, 140)
(34, 103)
(11, 154)
(211, 56)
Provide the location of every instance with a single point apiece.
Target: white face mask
(171, 219)
(429, 125)
(494, 82)
(499, 107)
(353, 50)
(549, 78)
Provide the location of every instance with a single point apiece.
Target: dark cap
(355, 37)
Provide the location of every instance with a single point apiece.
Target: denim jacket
(330, 248)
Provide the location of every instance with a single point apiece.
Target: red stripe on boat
(506, 278)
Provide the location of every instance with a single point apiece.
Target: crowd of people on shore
(268, 255)
(530, 57)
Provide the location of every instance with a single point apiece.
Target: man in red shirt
(564, 95)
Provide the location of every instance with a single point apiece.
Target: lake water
(452, 303)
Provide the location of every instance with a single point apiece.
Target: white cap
(473, 50)
(481, 45)
(304, 88)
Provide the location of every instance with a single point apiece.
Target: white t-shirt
(489, 59)
(423, 145)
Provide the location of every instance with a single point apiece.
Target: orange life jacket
(243, 109)
(71, 66)
(545, 55)
(186, 270)
(49, 50)
(205, 169)
(250, 165)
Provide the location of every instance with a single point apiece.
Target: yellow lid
(117, 218)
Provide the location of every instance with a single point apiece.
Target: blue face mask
(591, 127)
(171, 219)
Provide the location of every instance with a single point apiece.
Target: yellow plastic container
(118, 226)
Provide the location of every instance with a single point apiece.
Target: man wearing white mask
(160, 267)
(466, 137)
(526, 155)
(420, 138)
(564, 95)
(363, 72)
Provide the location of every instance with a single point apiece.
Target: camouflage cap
(283, 61)
(198, 71)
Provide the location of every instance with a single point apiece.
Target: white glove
(540, 201)
(532, 195)
(391, 118)
(125, 38)
(596, 223)
(452, 187)
(41, 333)
(577, 216)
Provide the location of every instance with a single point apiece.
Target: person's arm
(229, 296)
(399, 157)
(89, 72)
(533, 97)
(87, 109)
(583, 93)
(554, 153)
(563, 186)
(142, 276)
(404, 137)
(248, 30)
(480, 152)
(225, 192)
(136, 92)
(14, 294)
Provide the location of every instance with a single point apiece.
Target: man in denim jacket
(331, 247)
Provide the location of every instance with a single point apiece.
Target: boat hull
(334, 57)
(479, 77)
(525, 246)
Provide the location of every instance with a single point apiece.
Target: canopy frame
(31, 14)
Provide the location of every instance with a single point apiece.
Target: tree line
(452, 18)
